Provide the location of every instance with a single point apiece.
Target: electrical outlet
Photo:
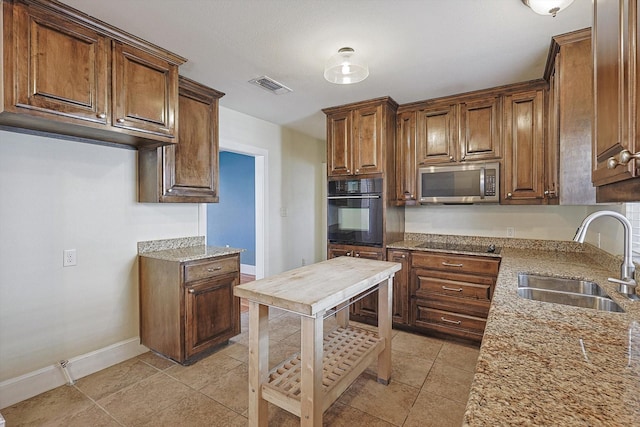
(69, 258)
(511, 232)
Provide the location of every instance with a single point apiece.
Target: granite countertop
(183, 249)
(532, 369)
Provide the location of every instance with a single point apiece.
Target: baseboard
(248, 269)
(25, 386)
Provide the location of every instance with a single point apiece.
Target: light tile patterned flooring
(429, 387)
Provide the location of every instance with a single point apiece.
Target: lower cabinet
(187, 308)
(365, 309)
(451, 294)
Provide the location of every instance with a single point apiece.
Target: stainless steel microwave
(463, 183)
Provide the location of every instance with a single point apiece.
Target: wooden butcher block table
(308, 383)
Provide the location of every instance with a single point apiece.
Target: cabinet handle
(357, 170)
(169, 190)
(462, 159)
(120, 120)
(550, 193)
(455, 322)
(448, 264)
(102, 116)
(192, 291)
(357, 254)
(348, 253)
(509, 195)
(624, 157)
(452, 289)
(404, 256)
(348, 170)
(451, 159)
(210, 270)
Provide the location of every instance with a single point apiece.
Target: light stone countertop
(532, 369)
(183, 249)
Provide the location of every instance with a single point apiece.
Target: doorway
(259, 216)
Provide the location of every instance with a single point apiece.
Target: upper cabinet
(360, 137)
(523, 169)
(67, 73)
(615, 74)
(188, 171)
(459, 130)
(406, 191)
(569, 72)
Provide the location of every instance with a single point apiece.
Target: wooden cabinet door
(368, 306)
(211, 311)
(406, 170)
(611, 131)
(524, 148)
(61, 66)
(480, 129)
(436, 135)
(145, 91)
(191, 166)
(339, 155)
(400, 306)
(367, 140)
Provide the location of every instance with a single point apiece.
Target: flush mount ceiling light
(547, 7)
(345, 68)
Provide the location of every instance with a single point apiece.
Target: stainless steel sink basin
(558, 290)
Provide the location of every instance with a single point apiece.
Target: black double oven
(355, 212)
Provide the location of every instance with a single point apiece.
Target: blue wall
(233, 221)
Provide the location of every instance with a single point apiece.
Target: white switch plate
(69, 258)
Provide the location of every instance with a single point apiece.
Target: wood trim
(557, 42)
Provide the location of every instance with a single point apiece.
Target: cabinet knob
(463, 158)
(509, 195)
(404, 256)
(348, 253)
(120, 120)
(348, 170)
(451, 159)
(624, 157)
(357, 254)
(169, 190)
(192, 291)
(102, 116)
(357, 170)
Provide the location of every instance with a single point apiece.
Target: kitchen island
(308, 383)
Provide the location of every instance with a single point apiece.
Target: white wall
(58, 195)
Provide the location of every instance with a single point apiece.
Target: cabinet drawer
(451, 288)
(459, 263)
(430, 316)
(206, 269)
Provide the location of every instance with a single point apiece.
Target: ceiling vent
(267, 83)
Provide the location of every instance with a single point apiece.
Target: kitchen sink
(558, 290)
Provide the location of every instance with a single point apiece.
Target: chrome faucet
(626, 283)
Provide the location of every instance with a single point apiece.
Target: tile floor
(429, 387)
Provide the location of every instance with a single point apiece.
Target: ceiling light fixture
(547, 7)
(345, 68)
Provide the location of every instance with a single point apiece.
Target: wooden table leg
(311, 371)
(258, 363)
(385, 298)
(342, 316)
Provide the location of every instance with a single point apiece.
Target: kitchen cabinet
(400, 306)
(67, 73)
(187, 308)
(360, 138)
(436, 134)
(459, 129)
(188, 171)
(365, 309)
(615, 82)
(405, 168)
(451, 294)
(569, 72)
(523, 172)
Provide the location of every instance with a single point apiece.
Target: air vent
(267, 83)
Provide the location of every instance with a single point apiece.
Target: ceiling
(416, 49)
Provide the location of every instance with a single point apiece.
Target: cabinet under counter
(187, 306)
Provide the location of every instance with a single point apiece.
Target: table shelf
(347, 353)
